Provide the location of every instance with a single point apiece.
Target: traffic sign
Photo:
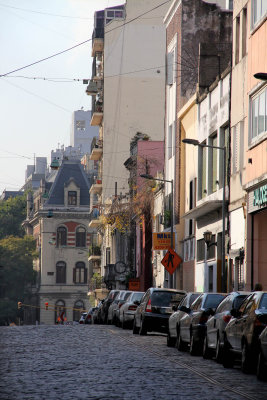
(171, 261)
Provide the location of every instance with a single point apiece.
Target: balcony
(97, 113)
(94, 220)
(97, 41)
(96, 149)
(96, 187)
(94, 253)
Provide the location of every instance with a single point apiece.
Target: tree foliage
(16, 274)
(12, 214)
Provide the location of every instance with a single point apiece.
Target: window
(80, 273)
(111, 14)
(204, 171)
(237, 37)
(80, 125)
(61, 236)
(214, 163)
(200, 250)
(80, 237)
(259, 114)
(170, 69)
(170, 141)
(61, 272)
(72, 198)
(258, 10)
(244, 32)
(77, 310)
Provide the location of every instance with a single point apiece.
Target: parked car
(112, 307)
(262, 357)
(216, 324)
(243, 331)
(117, 307)
(193, 323)
(103, 315)
(174, 319)
(82, 318)
(127, 310)
(155, 309)
(88, 318)
(97, 313)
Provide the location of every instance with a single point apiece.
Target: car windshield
(212, 300)
(164, 299)
(263, 303)
(193, 297)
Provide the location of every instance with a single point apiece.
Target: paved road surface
(102, 362)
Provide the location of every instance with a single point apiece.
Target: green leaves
(12, 214)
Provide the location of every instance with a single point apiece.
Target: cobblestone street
(101, 362)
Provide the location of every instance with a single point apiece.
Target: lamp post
(195, 142)
(150, 177)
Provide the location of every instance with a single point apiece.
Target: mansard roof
(69, 170)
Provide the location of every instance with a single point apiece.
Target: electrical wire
(85, 41)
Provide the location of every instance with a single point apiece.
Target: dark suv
(154, 310)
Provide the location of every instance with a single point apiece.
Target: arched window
(80, 273)
(60, 311)
(61, 272)
(61, 236)
(80, 237)
(77, 310)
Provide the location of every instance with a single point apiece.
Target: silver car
(127, 310)
(174, 319)
(115, 305)
(216, 324)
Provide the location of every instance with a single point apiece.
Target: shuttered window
(204, 173)
(61, 272)
(170, 62)
(80, 273)
(214, 164)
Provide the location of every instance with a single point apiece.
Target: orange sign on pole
(171, 261)
(162, 240)
(134, 284)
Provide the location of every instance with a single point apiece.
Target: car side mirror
(184, 309)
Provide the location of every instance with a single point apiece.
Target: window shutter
(74, 275)
(85, 275)
(170, 60)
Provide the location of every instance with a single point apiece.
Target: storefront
(257, 235)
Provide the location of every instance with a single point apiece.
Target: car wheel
(261, 368)
(123, 323)
(180, 344)
(218, 351)
(193, 349)
(206, 351)
(170, 340)
(143, 328)
(246, 362)
(227, 356)
(135, 329)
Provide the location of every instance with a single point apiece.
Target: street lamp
(196, 143)
(261, 75)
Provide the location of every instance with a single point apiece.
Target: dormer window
(72, 198)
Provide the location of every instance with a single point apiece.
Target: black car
(193, 324)
(154, 310)
(103, 314)
(243, 330)
(214, 339)
(262, 357)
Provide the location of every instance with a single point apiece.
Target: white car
(176, 316)
(127, 310)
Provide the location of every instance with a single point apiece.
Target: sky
(35, 114)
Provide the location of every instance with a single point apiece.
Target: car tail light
(203, 319)
(89, 316)
(148, 306)
(227, 318)
(132, 308)
(120, 304)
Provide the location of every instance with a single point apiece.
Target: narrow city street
(104, 362)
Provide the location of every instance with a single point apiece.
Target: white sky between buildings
(35, 115)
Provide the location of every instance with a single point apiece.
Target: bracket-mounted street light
(195, 142)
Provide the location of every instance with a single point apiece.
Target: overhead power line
(85, 41)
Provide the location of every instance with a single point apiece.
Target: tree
(16, 274)
(12, 214)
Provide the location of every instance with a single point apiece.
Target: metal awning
(203, 209)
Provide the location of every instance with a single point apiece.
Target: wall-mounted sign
(134, 284)
(260, 196)
(162, 240)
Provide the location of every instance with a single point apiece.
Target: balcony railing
(97, 113)
(96, 149)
